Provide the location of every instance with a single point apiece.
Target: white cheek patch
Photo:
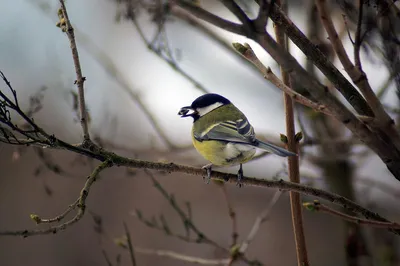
(204, 110)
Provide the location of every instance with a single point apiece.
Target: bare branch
(293, 162)
(357, 39)
(232, 215)
(211, 18)
(249, 54)
(81, 205)
(168, 59)
(239, 13)
(181, 257)
(131, 250)
(263, 14)
(316, 206)
(66, 25)
(56, 219)
(382, 119)
(264, 215)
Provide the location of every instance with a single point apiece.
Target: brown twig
(81, 205)
(185, 16)
(168, 59)
(187, 221)
(264, 215)
(317, 206)
(247, 52)
(130, 247)
(112, 70)
(181, 257)
(79, 77)
(232, 215)
(357, 39)
(293, 161)
(56, 219)
(382, 119)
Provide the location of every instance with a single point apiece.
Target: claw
(239, 177)
(208, 168)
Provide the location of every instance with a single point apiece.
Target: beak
(184, 112)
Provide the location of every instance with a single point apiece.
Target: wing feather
(239, 131)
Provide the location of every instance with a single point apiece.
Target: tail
(274, 149)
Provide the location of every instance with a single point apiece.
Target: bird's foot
(240, 177)
(208, 168)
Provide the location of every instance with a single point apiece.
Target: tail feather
(275, 149)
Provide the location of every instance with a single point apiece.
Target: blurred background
(143, 62)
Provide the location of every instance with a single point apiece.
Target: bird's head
(203, 105)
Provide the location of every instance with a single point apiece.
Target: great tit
(222, 134)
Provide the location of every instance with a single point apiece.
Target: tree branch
(293, 161)
(382, 119)
(380, 143)
(211, 18)
(181, 257)
(316, 206)
(264, 215)
(247, 52)
(232, 215)
(66, 26)
(81, 205)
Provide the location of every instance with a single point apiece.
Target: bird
(223, 135)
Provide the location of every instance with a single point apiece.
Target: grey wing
(239, 131)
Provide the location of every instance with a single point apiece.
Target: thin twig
(112, 70)
(169, 60)
(293, 161)
(249, 54)
(79, 77)
(264, 215)
(232, 215)
(182, 14)
(186, 219)
(201, 237)
(317, 206)
(81, 209)
(382, 120)
(130, 247)
(108, 261)
(181, 257)
(56, 219)
(357, 39)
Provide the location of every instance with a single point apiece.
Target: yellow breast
(222, 153)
